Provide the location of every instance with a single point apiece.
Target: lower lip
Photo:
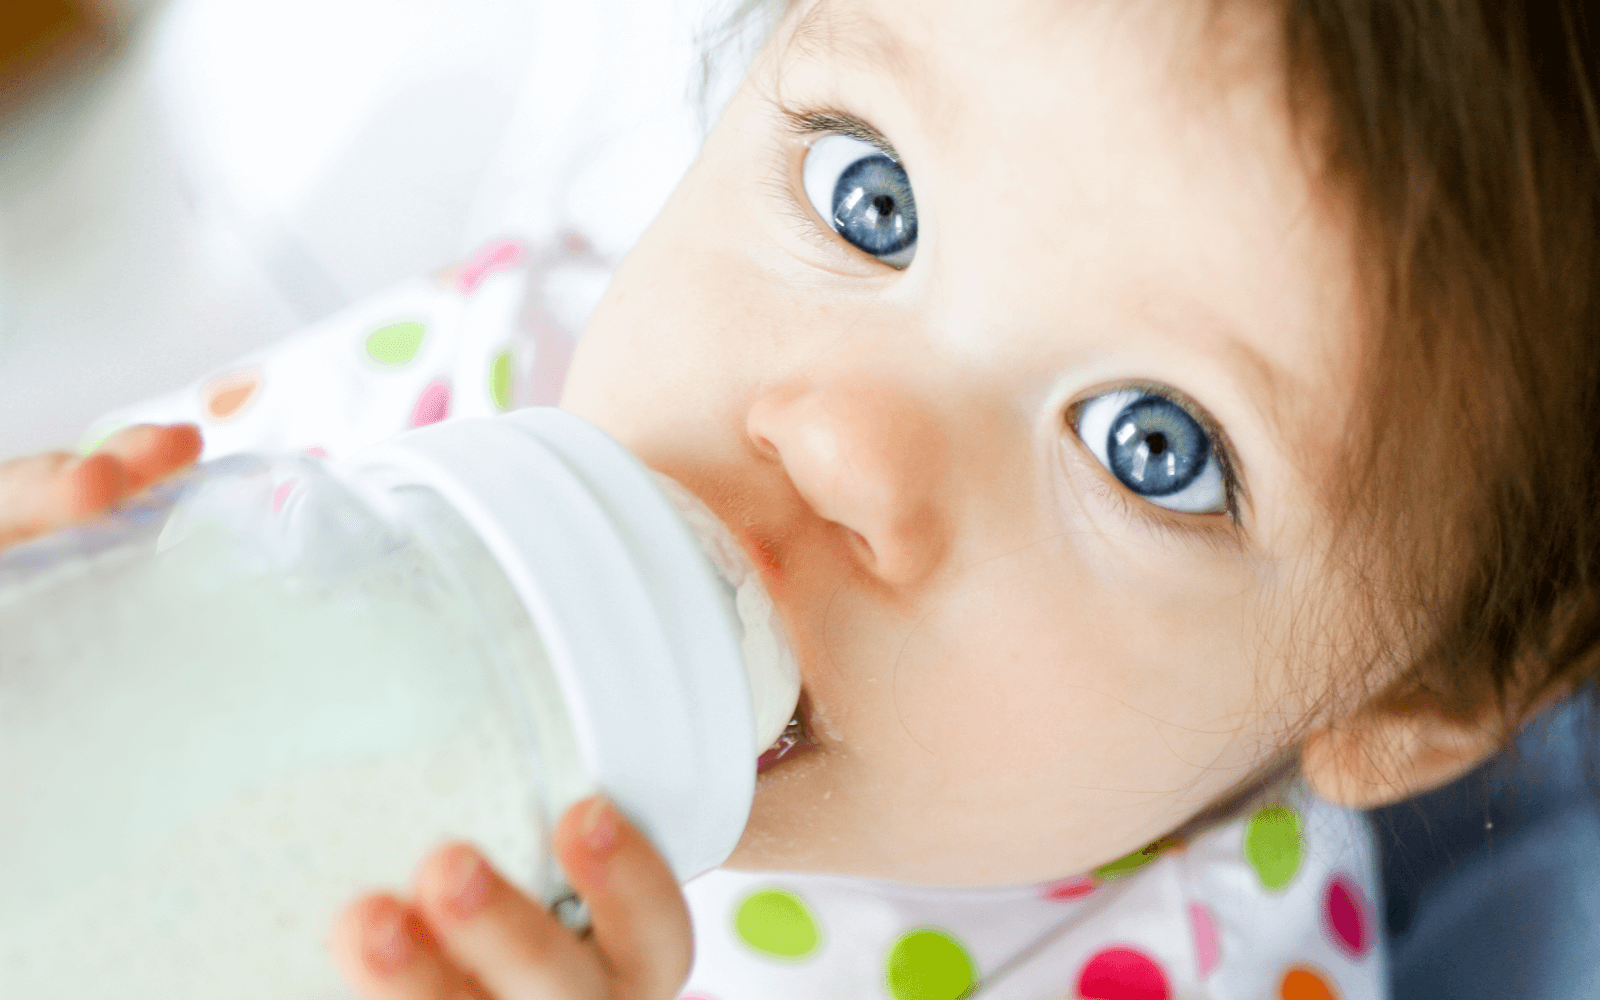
(796, 741)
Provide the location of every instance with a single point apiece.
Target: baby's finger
(385, 952)
(641, 922)
(43, 492)
(493, 932)
(149, 452)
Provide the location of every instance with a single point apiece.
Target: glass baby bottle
(273, 683)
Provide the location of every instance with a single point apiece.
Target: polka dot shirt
(1278, 904)
(438, 348)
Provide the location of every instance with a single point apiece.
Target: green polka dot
(776, 923)
(396, 343)
(1131, 863)
(930, 965)
(500, 380)
(1273, 845)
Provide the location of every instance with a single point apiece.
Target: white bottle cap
(642, 632)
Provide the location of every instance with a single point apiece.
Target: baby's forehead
(1063, 80)
(1221, 39)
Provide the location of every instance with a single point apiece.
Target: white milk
(255, 792)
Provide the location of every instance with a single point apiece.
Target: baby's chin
(823, 812)
(806, 820)
(792, 804)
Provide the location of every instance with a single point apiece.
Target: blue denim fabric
(1493, 882)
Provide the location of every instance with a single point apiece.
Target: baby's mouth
(794, 741)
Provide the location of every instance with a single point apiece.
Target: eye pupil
(1155, 448)
(873, 208)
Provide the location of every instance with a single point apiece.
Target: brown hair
(1465, 135)
(45, 41)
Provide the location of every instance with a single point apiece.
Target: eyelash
(1159, 520)
(803, 124)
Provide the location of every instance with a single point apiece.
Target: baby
(1133, 406)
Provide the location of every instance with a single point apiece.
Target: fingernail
(388, 944)
(466, 885)
(600, 828)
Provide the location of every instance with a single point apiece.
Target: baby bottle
(271, 684)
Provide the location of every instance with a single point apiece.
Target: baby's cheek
(1039, 675)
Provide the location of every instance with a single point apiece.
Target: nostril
(859, 543)
(765, 448)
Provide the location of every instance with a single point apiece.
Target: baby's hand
(468, 933)
(41, 493)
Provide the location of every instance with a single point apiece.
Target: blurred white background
(232, 171)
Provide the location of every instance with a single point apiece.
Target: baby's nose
(867, 456)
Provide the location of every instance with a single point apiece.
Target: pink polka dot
(433, 405)
(1207, 941)
(1123, 974)
(1068, 888)
(1344, 914)
(318, 451)
(497, 256)
(280, 496)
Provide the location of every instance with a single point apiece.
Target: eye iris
(873, 208)
(1155, 447)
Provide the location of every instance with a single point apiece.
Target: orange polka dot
(1303, 984)
(227, 396)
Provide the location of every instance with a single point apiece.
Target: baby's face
(1017, 420)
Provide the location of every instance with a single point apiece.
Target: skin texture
(1018, 669)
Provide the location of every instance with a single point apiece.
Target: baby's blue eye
(864, 195)
(1156, 449)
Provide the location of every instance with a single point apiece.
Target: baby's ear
(1382, 755)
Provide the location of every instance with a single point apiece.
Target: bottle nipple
(769, 659)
